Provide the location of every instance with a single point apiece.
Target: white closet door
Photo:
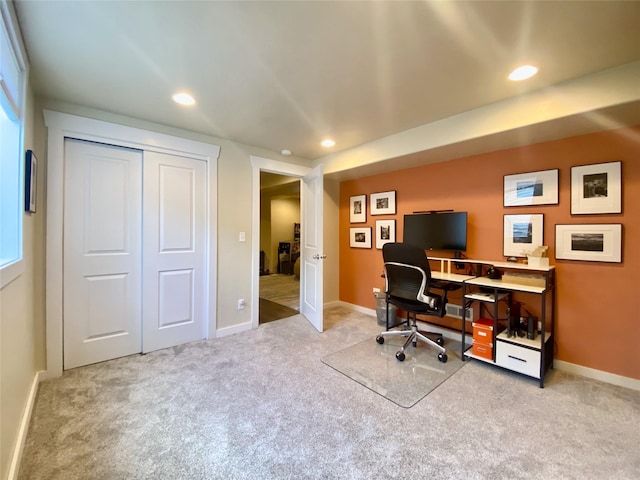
(102, 257)
(175, 250)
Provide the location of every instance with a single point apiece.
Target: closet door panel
(102, 252)
(175, 250)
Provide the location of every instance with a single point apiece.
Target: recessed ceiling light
(286, 152)
(184, 99)
(327, 143)
(522, 73)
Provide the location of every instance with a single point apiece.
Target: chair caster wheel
(442, 357)
(440, 341)
(380, 339)
(400, 356)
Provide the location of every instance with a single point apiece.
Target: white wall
(284, 213)
(22, 314)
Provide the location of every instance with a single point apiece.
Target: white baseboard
(16, 458)
(357, 308)
(587, 372)
(599, 375)
(432, 328)
(224, 332)
(333, 303)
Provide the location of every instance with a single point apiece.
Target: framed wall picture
(522, 234)
(590, 242)
(533, 188)
(596, 188)
(385, 232)
(383, 203)
(358, 209)
(30, 178)
(360, 237)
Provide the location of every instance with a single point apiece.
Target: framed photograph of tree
(596, 188)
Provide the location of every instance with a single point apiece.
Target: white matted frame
(358, 209)
(383, 203)
(596, 188)
(533, 188)
(522, 234)
(385, 232)
(360, 237)
(590, 242)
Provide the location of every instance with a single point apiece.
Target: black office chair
(409, 287)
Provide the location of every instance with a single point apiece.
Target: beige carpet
(404, 383)
(262, 405)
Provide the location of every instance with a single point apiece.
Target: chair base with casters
(413, 335)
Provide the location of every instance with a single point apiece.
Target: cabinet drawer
(518, 359)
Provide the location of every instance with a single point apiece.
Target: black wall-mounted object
(445, 230)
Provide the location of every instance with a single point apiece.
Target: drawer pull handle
(516, 358)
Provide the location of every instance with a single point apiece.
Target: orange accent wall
(597, 304)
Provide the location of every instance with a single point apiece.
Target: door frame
(62, 125)
(259, 164)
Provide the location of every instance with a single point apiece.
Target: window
(12, 93)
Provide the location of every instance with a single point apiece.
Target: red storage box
(483, 331)
(483, 350)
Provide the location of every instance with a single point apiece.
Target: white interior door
(102, 257)
(311, 276)
(174, 250)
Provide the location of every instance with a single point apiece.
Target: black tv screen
(437, 231)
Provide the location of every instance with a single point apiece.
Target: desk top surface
(451, 277)
(502, 285)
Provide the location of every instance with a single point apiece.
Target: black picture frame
(30, 181)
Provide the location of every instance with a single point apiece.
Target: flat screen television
(437, 231)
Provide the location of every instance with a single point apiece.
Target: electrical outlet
(376, 290)
(241, 304)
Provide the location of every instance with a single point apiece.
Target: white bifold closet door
(174, 250)
(135, 229)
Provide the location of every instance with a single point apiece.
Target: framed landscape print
(596, 188)
(358, 209)
(383, 203)
(522, 234)
(591, 242)
(533, 188)
(360, 237)
(385, 232)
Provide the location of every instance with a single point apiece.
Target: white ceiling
(282, 75)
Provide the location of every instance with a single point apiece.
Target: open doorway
(279, 282)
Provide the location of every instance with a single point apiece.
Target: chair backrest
(407, 271)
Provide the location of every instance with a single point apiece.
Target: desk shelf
(529, 357)
(486, 297)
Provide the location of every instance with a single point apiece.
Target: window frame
(13, 98)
